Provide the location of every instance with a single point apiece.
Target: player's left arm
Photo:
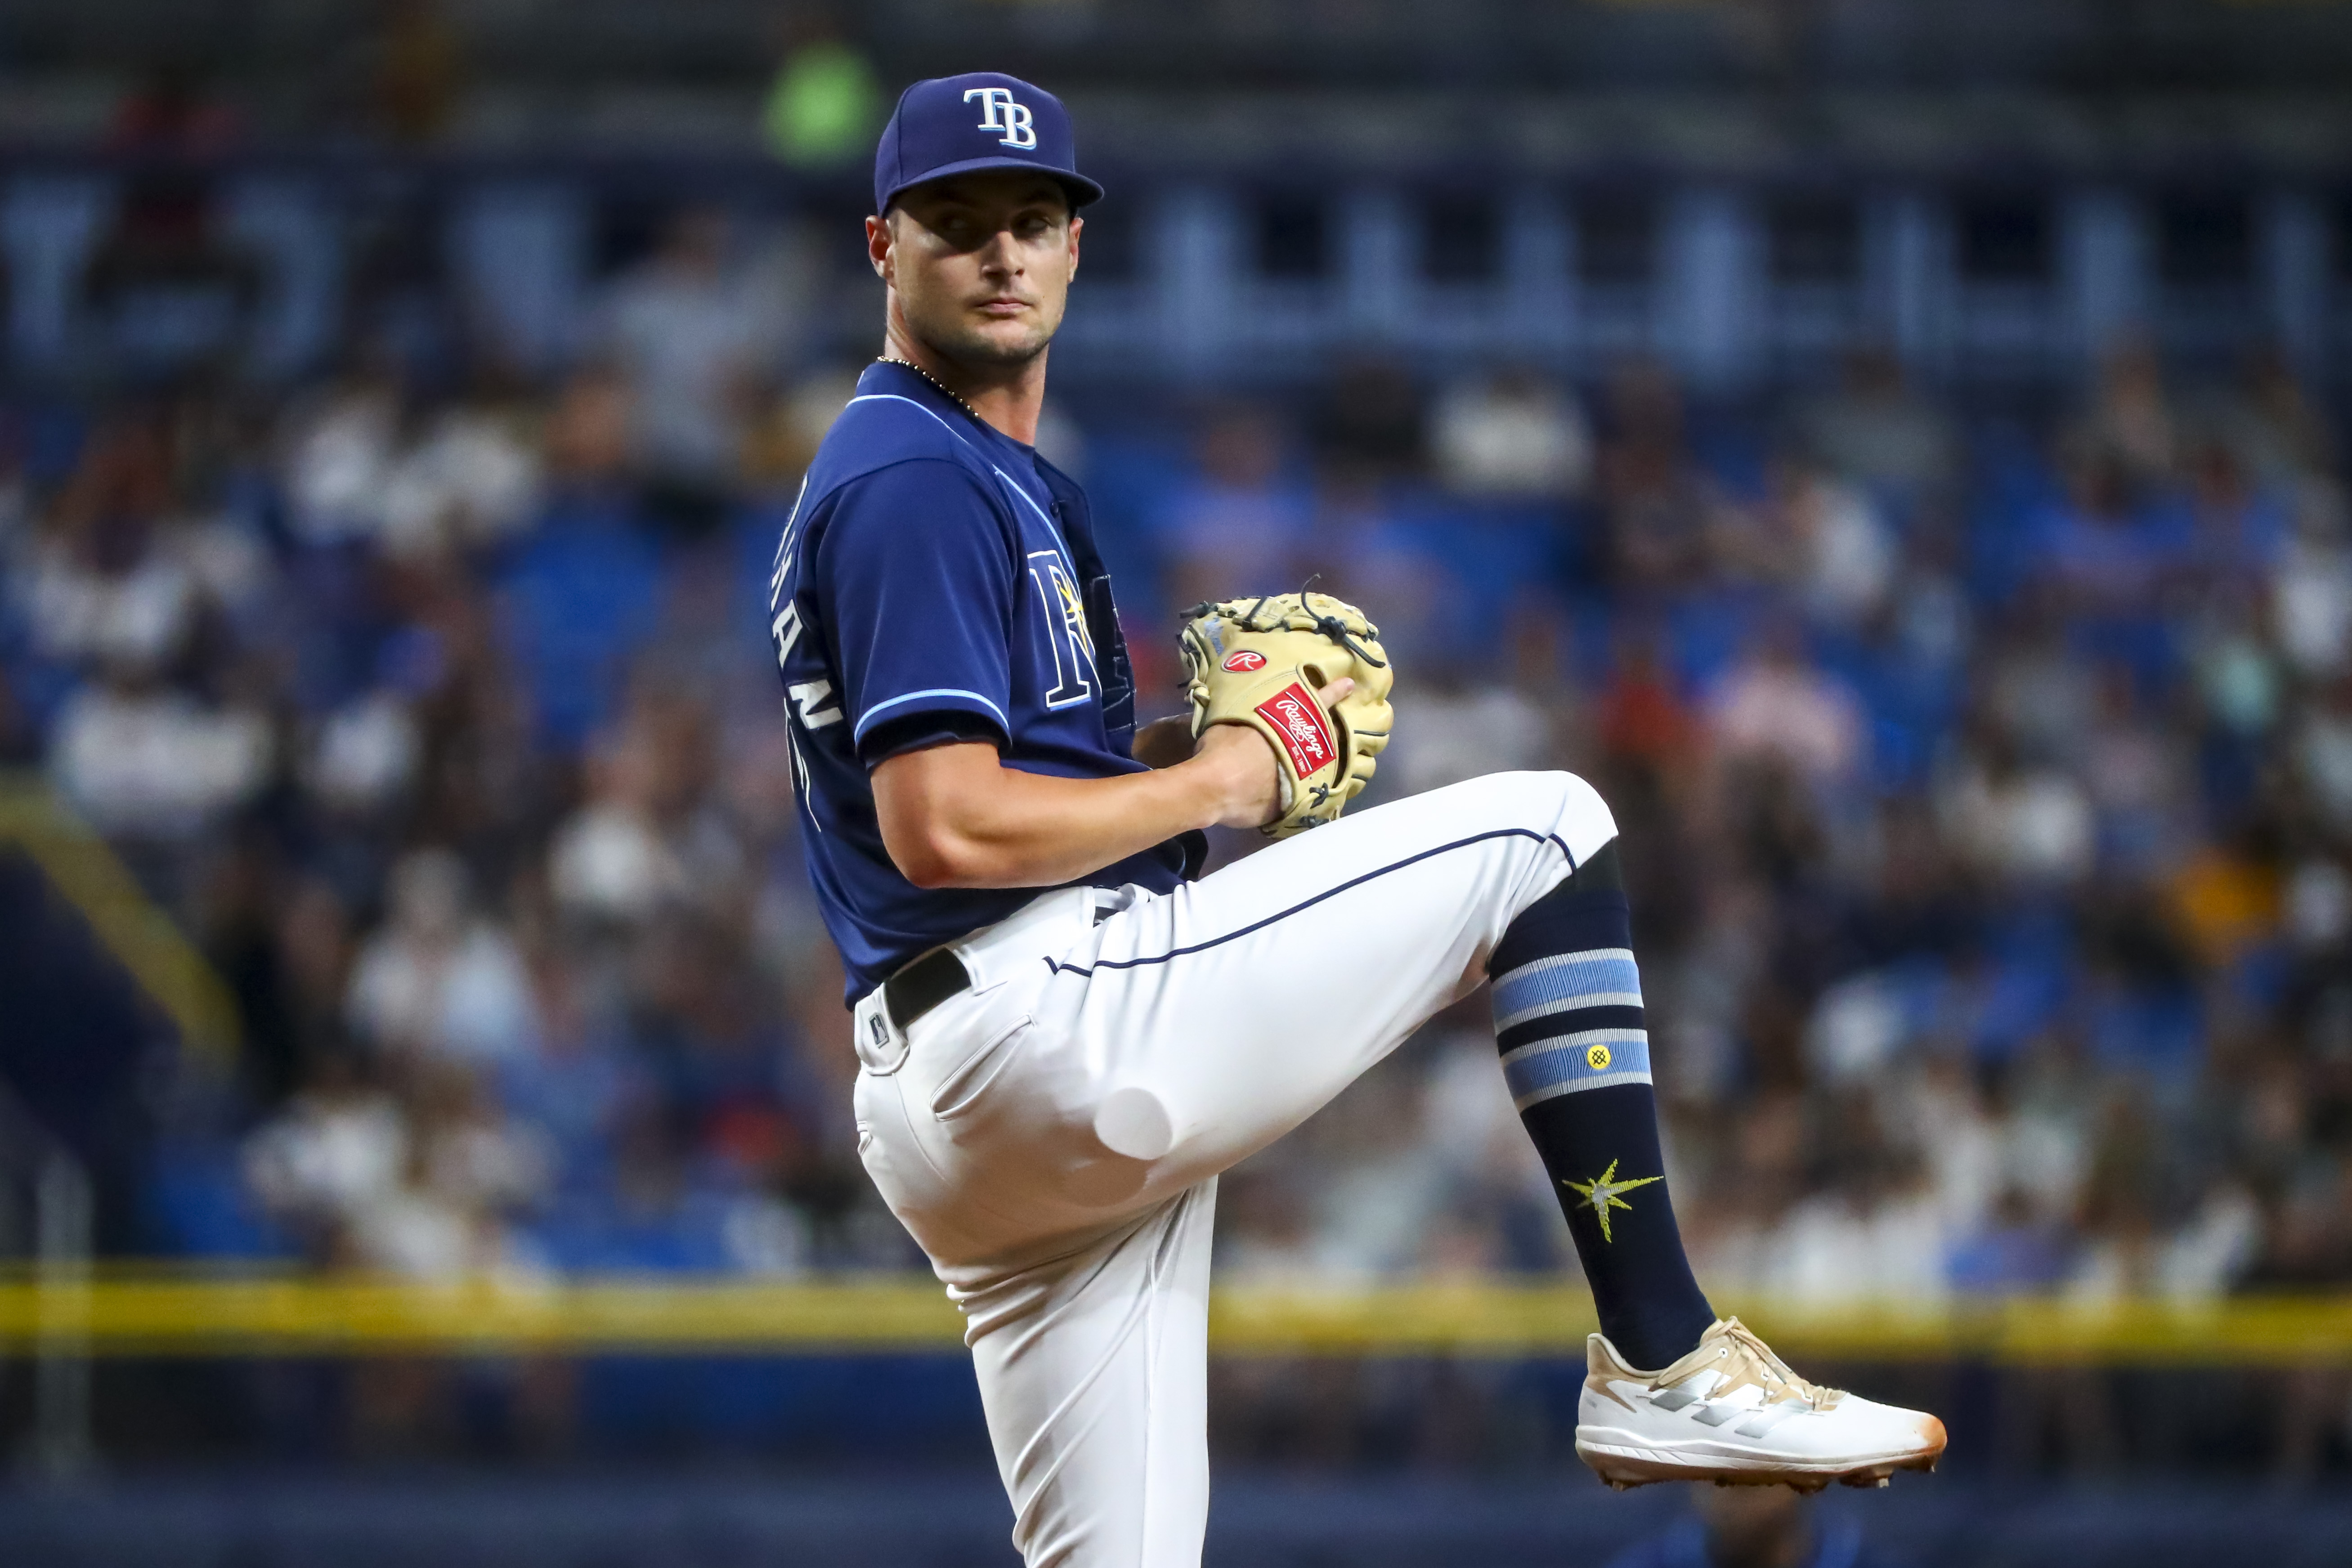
(953, 815)
(956, 816)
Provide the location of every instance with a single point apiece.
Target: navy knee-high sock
(1568, 1021)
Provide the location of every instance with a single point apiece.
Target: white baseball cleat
(1732, 1413)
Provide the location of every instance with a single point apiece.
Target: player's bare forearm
(956, 816)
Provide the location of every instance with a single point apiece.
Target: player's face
(980, 265)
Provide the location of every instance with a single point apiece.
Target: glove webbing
(1329, 624)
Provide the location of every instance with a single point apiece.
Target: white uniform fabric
(1053, 1136)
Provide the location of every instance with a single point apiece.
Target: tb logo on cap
(998, 111)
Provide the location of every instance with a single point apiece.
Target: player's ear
(878, 246)
(1077, 224)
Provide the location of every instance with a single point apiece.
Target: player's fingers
(1336, 692)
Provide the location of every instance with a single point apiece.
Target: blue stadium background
(1897, 454)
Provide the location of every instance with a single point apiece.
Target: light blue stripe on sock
(1569, 976)
(1567, 1063)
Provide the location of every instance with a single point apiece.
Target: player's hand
(1242, 761)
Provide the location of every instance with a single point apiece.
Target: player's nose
(1001, 254)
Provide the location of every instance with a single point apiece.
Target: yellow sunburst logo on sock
(1601, 1195)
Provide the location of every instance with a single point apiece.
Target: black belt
(923, 984)
(928, 981)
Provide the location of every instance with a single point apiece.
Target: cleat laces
(1746, 1361)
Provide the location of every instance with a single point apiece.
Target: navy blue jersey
(937, 580)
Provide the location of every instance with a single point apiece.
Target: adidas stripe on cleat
(1732, 1413)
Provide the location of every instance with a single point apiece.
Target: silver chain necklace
(926, 375)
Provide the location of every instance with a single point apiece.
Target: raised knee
(1555, 805)
(1579, 818)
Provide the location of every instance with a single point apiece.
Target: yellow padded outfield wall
(130, 1313)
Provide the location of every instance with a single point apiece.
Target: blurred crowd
(1985, 771)
(1986, 802)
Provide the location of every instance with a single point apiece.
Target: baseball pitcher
(1065, 1031)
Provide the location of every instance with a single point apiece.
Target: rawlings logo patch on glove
(1296, 719)
(1259, 661)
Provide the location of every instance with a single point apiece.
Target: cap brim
(1082, 190)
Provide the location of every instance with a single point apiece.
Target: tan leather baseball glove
(1259, 661)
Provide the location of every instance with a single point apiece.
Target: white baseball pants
(1053, 1136)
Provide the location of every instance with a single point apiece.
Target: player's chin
(1005, 341)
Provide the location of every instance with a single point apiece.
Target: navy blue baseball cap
(982, 120)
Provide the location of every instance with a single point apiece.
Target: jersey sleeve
(916, 583)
